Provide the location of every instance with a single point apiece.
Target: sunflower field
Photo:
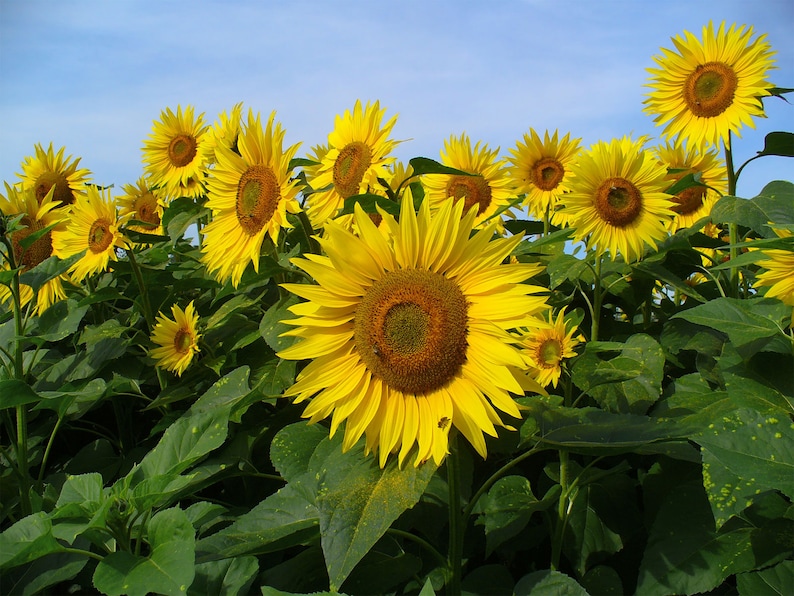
(555, 370)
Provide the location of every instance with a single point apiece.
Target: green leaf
(368, 202)
(687, 181)
(778, 143)
(48, 269)
(286, 518)
(629, 383)
(169, 568)
(238, 302)
(425, 165)
(293, 446)
(685, 555)
(82, 489)
(229, 577)
(773, 205)
(749, 324)
(27, 540)
(524, 227)
(271, 326)
(548, 583)
(506, 508)
(44, 572)
(358, 501)
(60, 320)
(14, 392)
(565, 267)
(593, 431)
(776, 580)
(744, 455)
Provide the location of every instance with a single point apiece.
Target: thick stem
(597, 298)
(733, 228)
(455, 554)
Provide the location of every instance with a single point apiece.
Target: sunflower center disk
(618, 202)
(689, 200)
(474, 190)
(709, 90)
(549, 353)
(146, 210)
(258, 195)
(36, 252)
(410, 330)
(182, 341)
(547, 173)
(62, 191)
(99, 236)
(350, 166)
(182, 149)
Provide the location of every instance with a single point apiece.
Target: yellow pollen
(99, 236)
(410, 330)
(709, 90)
(474, 190)
(546, 173)
(350, 166)
(258, 195)
(618, 202)
(182, 149)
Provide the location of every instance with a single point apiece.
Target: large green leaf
(628, 383)
(776, 581)
(286, 518)
(744, 454)
(293, 446)
(60, 320)
(686, 555)
(14, 392)
(358, 501)
(593, 431)
(27, 540)
(749, 324)
(773, 205)
(169, 568)
(548, 583)
(229, 577)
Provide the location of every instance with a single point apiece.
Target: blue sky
(92, 75)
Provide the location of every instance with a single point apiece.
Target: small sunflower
(49, 169)
(177, 339)
(694, 202)
(174, 154)
(408, 334)
(93, 227)
(617, 200)
(38, 214)
(545, 346)
(144, 203)
(541, 169)
(357, 155)
(224, 133)
(706, 89)
(489, 188)
(249, 195)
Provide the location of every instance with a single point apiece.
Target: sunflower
(224, 133)
(695, 202)
(177, 339)
(545, 346)
(710, 88)
(357, 155)
(174, 154)
(249, 195)
(38, 215)
(49, 169)
(617, 200)
(93, 227)
(144, 203)
(408, 333)
(541, 169)
(489, 188)
(779, 274)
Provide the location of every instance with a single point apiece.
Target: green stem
(306, 225)
(733, 228)
(455, 519)
(421, 542)
(597, 298)
(80, 551)
(147, 307)
(564, 504)
(47, 450)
